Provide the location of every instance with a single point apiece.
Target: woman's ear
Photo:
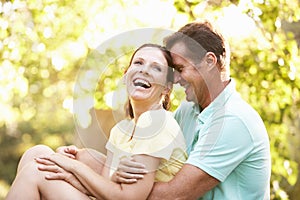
(168, 88)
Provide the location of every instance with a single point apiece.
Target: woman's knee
(38, 150)
(34, 152)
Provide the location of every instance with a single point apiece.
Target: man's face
(187, 74)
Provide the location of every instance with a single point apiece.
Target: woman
(151, 135)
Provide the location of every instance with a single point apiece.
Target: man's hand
(57, 173)
(69, 151)
(129, 171)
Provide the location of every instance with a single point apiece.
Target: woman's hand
(69, 151)
(129, 171)
(59, 160)
(56, 172)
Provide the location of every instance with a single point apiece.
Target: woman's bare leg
(30, 183)
(32, 153)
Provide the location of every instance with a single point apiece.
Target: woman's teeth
(141, 83)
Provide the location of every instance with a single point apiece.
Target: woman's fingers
(49, 168)
(55, 176)
(44, 161)
(69, 151)
(53, 159)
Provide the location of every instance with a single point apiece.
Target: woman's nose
(144, 69)
(177, 76)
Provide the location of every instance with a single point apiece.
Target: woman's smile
(139, 82)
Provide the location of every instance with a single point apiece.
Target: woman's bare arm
(102, 188)
(140, 190)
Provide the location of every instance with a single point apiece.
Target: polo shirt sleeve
(112, 140)
(221, 146)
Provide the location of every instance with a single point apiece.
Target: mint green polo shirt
(228, 140)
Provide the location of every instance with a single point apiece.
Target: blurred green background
(45, 44)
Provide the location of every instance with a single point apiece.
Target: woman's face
(146, 77)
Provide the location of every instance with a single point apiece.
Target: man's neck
(214, 94)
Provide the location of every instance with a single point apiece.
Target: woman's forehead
(151, 53)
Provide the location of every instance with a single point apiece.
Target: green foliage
(49, 62)
(40, 54)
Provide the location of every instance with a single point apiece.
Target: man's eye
(179, 69)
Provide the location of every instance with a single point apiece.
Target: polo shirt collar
(197, 109)
(220, 101)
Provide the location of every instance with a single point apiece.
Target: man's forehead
(178, 49)
(180, 55)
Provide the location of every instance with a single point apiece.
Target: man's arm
(189, 183)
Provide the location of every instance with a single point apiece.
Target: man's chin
(189, 99)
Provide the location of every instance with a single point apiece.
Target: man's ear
(211, 60)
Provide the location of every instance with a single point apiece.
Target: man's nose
(177, 77)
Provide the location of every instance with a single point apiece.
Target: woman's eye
(157, 68)
(137, 62)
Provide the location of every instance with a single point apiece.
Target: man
(228, 145)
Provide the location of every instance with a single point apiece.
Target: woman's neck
(140, 108)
